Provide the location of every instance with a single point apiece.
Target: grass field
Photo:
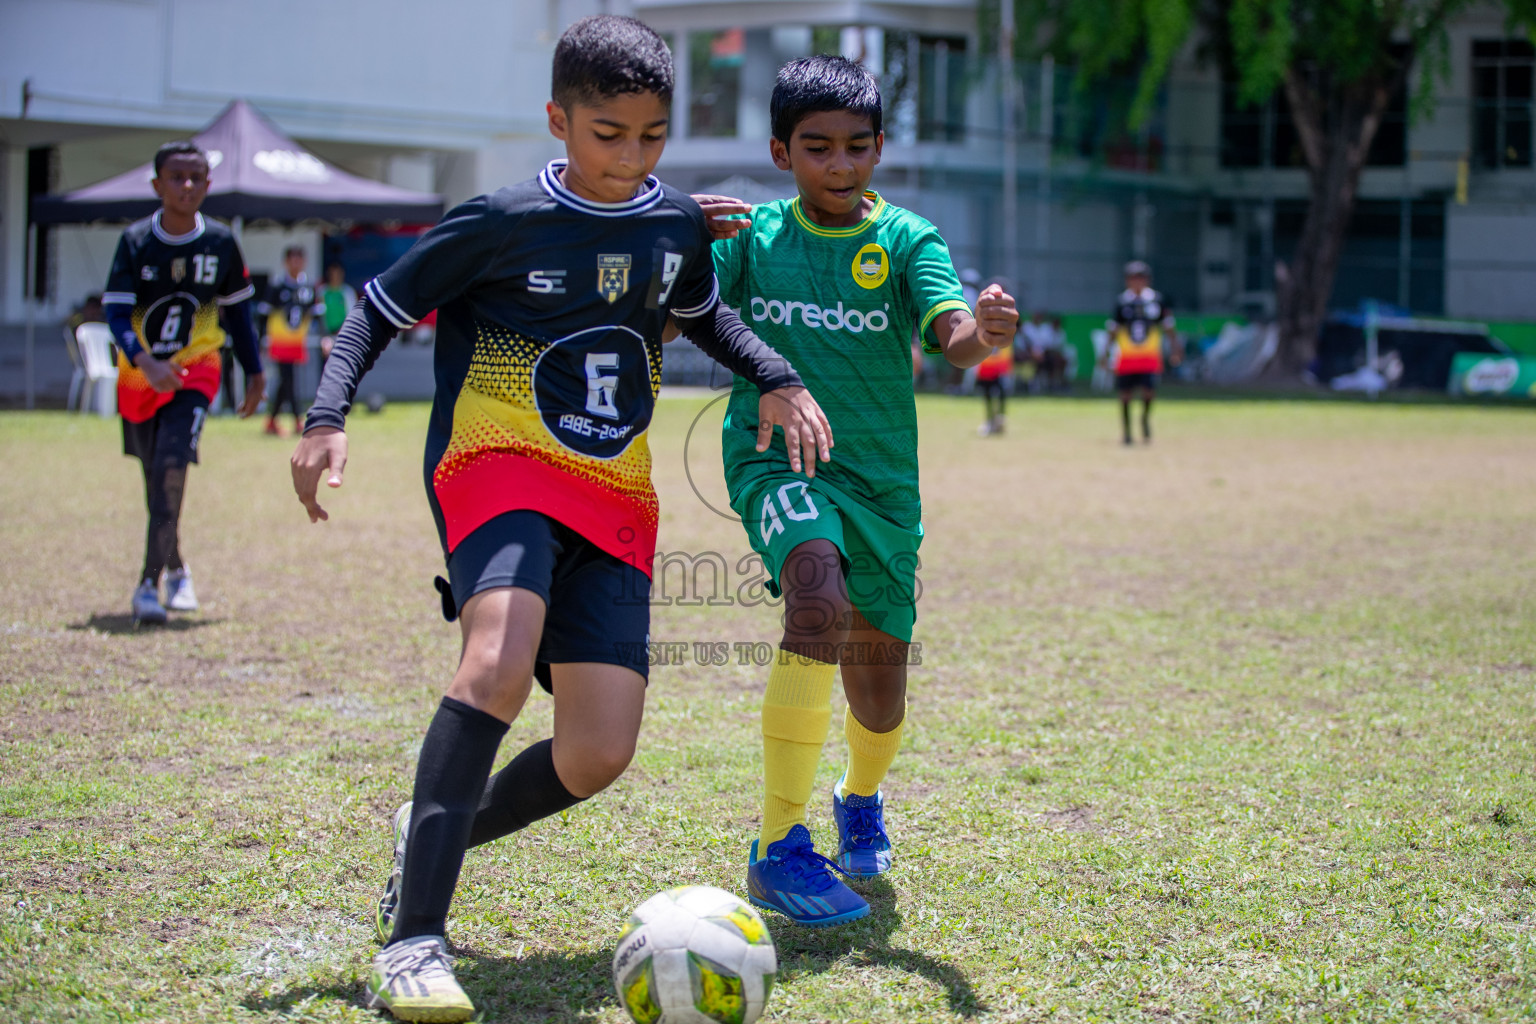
(1240, 726)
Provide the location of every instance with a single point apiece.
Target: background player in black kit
(1140, 327)
(172, 272)
(552, 296)
(287, 309)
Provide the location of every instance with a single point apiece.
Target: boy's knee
(588, 768)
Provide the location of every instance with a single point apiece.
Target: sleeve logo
(613, 276)
(871, 266)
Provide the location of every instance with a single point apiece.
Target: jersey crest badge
(178, 269)
(613, 276)
(871, 266)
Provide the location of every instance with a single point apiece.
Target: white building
(449, 97)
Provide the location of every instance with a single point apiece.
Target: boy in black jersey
(287, 309)
(172, 273)
(552, 296)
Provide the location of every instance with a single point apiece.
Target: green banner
(1510, 376)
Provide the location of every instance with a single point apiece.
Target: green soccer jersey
(841, 304)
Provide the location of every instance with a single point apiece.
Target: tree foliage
(1337, 64)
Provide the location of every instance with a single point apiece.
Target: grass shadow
(549, 987)
(123, 624)
(286, 1001)
(868, 942)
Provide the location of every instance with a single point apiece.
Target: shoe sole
(821, 922)
(417, 1014)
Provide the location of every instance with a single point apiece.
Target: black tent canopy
(257, 173)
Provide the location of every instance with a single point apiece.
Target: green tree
(1337, 63)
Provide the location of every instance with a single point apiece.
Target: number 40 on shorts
(796, 491)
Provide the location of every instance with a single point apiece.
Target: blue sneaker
(863, 848)
(796, 881)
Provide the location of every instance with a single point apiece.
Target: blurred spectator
(90, 312)
(338, 297)
(1046, 340)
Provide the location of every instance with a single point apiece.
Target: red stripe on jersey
(493, 482)
(137, 401)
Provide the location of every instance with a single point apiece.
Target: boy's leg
(1146, 413)
(595, 637)
(173, 447)
(797, 710)
(501, 629)
(1125, 415)
(874, 668)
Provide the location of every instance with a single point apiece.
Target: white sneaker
(413, 980)
(179, 595)
(147, 609)
(384, 917)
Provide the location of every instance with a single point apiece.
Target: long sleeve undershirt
(719, 334)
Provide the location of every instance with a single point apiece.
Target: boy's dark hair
(294, 250)
(607, 55)
(181, 147)
(823, 82)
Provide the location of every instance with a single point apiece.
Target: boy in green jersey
(836, 280)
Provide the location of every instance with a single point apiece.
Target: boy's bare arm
(966, 340)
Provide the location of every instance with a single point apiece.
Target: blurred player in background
(338, 298)
(172, 272)
(1142, 324)
(288, 309)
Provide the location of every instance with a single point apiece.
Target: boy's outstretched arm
(967, 340)
(322, 451)
(785, 402)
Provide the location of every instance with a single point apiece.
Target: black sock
(1146, 418)
(1125, 418)
(520, 794)
(164, 484)
(455, 759)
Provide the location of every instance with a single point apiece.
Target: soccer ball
(694, 955)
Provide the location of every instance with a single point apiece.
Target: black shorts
(597, 608)
(171, 433)
(1128, 381)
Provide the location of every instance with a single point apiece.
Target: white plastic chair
(77, 377)
(95, 343)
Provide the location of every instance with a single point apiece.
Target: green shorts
(781, 511)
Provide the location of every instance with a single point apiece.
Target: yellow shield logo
(613, 276)
(871, 266)
(178, 269)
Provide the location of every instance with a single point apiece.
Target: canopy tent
(257, 173)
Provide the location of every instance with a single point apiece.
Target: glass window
(924, 85)
(714, 81)
(1501, 102)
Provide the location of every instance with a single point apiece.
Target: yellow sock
(869, 755)
(797, 713)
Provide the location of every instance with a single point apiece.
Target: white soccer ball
(694, 955)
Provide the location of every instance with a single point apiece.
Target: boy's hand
(162, 374)
(997, 319)
(723, 215)
(807, 434)
(322, 451)
(255, 391)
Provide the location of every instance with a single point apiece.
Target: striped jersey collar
(643, 200)
(816, 229)
(170, 239)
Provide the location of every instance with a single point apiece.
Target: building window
(1243, 131)
(1501, 102)
(714, 81)
(924, 82)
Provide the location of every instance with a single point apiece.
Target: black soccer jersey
(1140, 319)
(175, 284)
(288, 306)
(550, 315)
